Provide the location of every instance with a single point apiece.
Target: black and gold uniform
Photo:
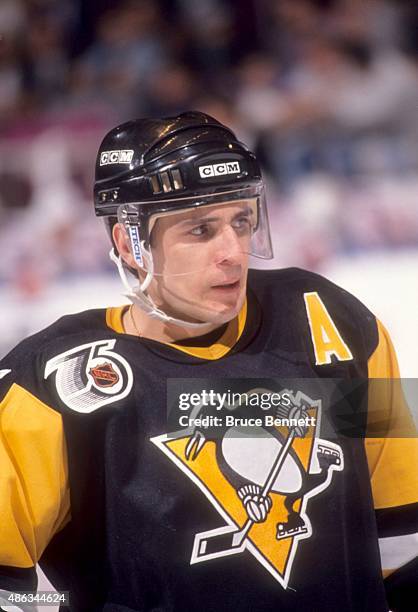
(121, 511)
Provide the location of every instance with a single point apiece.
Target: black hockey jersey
(131, 505)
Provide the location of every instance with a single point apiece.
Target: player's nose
(229, 247)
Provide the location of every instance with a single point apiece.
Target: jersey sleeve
(34, 495)
(392, 453)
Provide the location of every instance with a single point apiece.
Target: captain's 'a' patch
(260, 481)
(326, 339)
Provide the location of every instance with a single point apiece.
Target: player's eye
(243, 223)
(200, 230)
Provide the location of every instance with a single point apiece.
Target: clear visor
(200, 233)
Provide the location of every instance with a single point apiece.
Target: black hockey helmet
(161, 161)
(149, 167)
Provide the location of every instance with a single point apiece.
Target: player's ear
(121, 241)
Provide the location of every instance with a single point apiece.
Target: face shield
(188, 236)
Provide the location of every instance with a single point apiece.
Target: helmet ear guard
(147, 170)
(110, 223)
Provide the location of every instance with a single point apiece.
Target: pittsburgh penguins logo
(90, 376)
(263, 502)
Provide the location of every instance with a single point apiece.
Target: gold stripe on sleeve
(34, 497)
(392, 443)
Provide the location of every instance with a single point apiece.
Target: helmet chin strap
(138, 296)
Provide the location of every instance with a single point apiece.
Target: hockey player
(130, 509)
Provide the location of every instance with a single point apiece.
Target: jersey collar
(218, 349)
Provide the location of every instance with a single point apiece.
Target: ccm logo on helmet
(219, 169)
(116, 157)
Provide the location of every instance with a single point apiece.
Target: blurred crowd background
(325, 92)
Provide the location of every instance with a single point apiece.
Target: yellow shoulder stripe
(34, 495)
(392, 459)
(383, 363)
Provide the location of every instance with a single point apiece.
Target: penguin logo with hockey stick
(260, 480)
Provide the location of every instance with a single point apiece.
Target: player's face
(201, 261)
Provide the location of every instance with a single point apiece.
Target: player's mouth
(230, 287)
